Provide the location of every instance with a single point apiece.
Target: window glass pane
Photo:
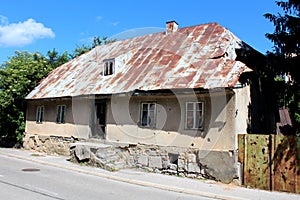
(190, 106)
(190, 114)
(148, 114)
(189, 119)
(63, 114)
(145, 107)
(199, 119)
(105, 69)
(108, 68)
(111, 65)
(151, 119)
(37, 114)
(189, 122)
(144, 120)
(152, 107)
(199, 106)
(58, 114)
(42, 114)
(194, 115)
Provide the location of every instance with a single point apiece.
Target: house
(184, 92)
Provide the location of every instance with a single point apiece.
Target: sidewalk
(205, 188)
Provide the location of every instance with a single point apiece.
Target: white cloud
(22, 33)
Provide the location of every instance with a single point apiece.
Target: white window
(109, 67)
(39, 114)
(194, 115)
(61, 114)
(148, 115)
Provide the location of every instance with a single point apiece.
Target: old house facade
(182, 92)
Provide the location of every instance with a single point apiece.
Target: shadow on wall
(127, 111)
(171, 111)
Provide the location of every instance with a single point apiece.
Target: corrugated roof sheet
(200, 56)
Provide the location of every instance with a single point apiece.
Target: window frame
(61, 114)
(148, 125)
(39, 115)
(108, 67)
(195, 110)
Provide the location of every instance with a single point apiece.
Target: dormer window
(109, 67)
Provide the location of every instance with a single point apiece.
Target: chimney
(171, 27)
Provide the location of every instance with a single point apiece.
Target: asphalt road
(21, 179)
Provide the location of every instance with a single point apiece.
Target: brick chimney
(171, 27)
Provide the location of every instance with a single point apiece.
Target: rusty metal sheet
(201, 56)
(257, 171)
(241, 148)
(286, 161)
(241, 155)
(271, 162)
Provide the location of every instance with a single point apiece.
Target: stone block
(155, 162)
(82, 152)
(191, 158)
(218, 164)
(202, 171)
(165, 164)
(193, 168)
(191, 175)
(181, 174)
(182, 165)
(105, 153)
(143, 160)
(153, 153)
(130, 160)
(172, 166)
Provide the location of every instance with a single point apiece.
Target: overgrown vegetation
(18, 76)
(284, 60)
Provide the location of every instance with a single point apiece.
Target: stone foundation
(52, 145)
(192, 163)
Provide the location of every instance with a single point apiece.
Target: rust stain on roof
(200, 56)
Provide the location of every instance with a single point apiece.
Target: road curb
(130, 181)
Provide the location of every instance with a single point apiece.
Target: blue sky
(39, 26)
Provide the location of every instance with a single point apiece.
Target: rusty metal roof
(201, 56)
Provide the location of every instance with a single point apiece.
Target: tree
(97, 41)
(56, 60)
(79, 50)
(18, 77)
(284, 60)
